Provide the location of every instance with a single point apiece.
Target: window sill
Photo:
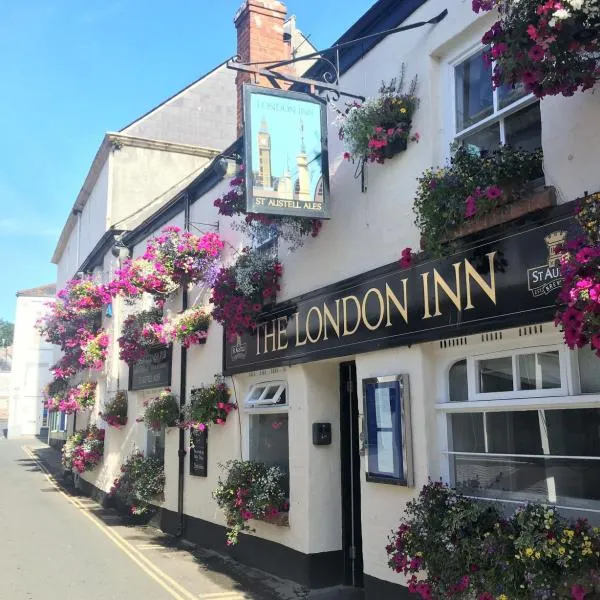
(538, 199)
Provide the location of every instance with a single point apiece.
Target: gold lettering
(298, 342)
(488, 290)
(270, 336)
(345, 310)
(389, 295)
(258, 340)
(364, 309)
(282, 331)
(427, 312)
(308, 332)
(335, 324)
(438, 282)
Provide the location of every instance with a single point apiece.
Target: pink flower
(470, 207)
(347, 156)
(533, 32)
(536, 53)
(529, 77)
(493, 192)
(578, 592)
(406, 258)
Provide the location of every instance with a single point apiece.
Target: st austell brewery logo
(546, 278)
(239, 349)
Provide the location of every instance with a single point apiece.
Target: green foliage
(142, 479)
(7, 331)
(161, 412)
(208, 404)
(472, 185)
(450, 546)
(251, 490)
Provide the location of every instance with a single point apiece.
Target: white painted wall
(31, 359)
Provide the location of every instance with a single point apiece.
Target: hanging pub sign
(152, 371)
(506, 281)
(285, 137)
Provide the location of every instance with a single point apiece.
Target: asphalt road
(49, 550)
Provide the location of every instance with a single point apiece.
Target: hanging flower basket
(84, 449)
(578, 313)
(241, 291)
(80, 397)
(141, 481)
(188, 328)
(471, 188)
(54, 393)
(139, 333)
(250, 490)
(161, 412)
(208, 405)
(380, 127)
(549, 48)
(290, 229)
(94, 350)
(115, 410)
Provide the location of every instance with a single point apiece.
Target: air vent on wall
(453, 343)
(530, 330)
(492, 336)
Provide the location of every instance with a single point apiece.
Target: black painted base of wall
(319, 570)
(385, 590)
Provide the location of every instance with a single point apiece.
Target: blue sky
(71, 70)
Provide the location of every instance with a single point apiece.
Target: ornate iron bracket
(328, 87)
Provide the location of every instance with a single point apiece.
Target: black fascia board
(383, 15)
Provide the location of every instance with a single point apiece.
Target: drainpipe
(182, 392)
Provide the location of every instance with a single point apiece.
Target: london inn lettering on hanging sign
(504, 283)
(285, 137)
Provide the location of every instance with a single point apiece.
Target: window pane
(486, 140)
(271, 391)
(156, 443)
(467, 432)
(539, 371)
(514, 432)
(524, 128)
(269, 439)
(589, 373)
(457, 379)
(574, 432)
(256, 393)
(508, 94)
(574, 483)
(495, 375)
(474, 100)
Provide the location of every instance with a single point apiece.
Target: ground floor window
(155, 443)
(525, 426)
(267, 409)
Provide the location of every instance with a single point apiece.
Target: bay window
(524, 426)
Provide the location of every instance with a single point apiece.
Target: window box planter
(281, 519)
(509, 210)
(395, 147)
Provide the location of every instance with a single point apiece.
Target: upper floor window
(485, 118)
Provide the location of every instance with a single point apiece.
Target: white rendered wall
(31, 359)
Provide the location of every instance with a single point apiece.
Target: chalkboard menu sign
(198, 453)
(152, 371)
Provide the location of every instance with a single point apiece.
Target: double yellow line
(165, 581)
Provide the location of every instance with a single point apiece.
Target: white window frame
(498, 115)
(263, 404)
(569, 397)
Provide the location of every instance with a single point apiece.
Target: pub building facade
(367, 378)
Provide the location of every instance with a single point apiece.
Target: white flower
(575, 4)
(562, 14)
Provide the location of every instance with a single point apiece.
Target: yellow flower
(402, 110)
(569, 532)
(502, 597)
(529, 552)
(561, 550)
(538, 555)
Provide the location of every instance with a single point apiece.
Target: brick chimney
(260, 37)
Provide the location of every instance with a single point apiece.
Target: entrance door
(350, 463)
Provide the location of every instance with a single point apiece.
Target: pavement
(55, 544)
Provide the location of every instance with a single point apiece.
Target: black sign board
(199, 452)
(498, 283)
(153, 371)
(287, 171)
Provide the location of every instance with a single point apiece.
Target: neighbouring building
(32, 358)
(367, 378)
